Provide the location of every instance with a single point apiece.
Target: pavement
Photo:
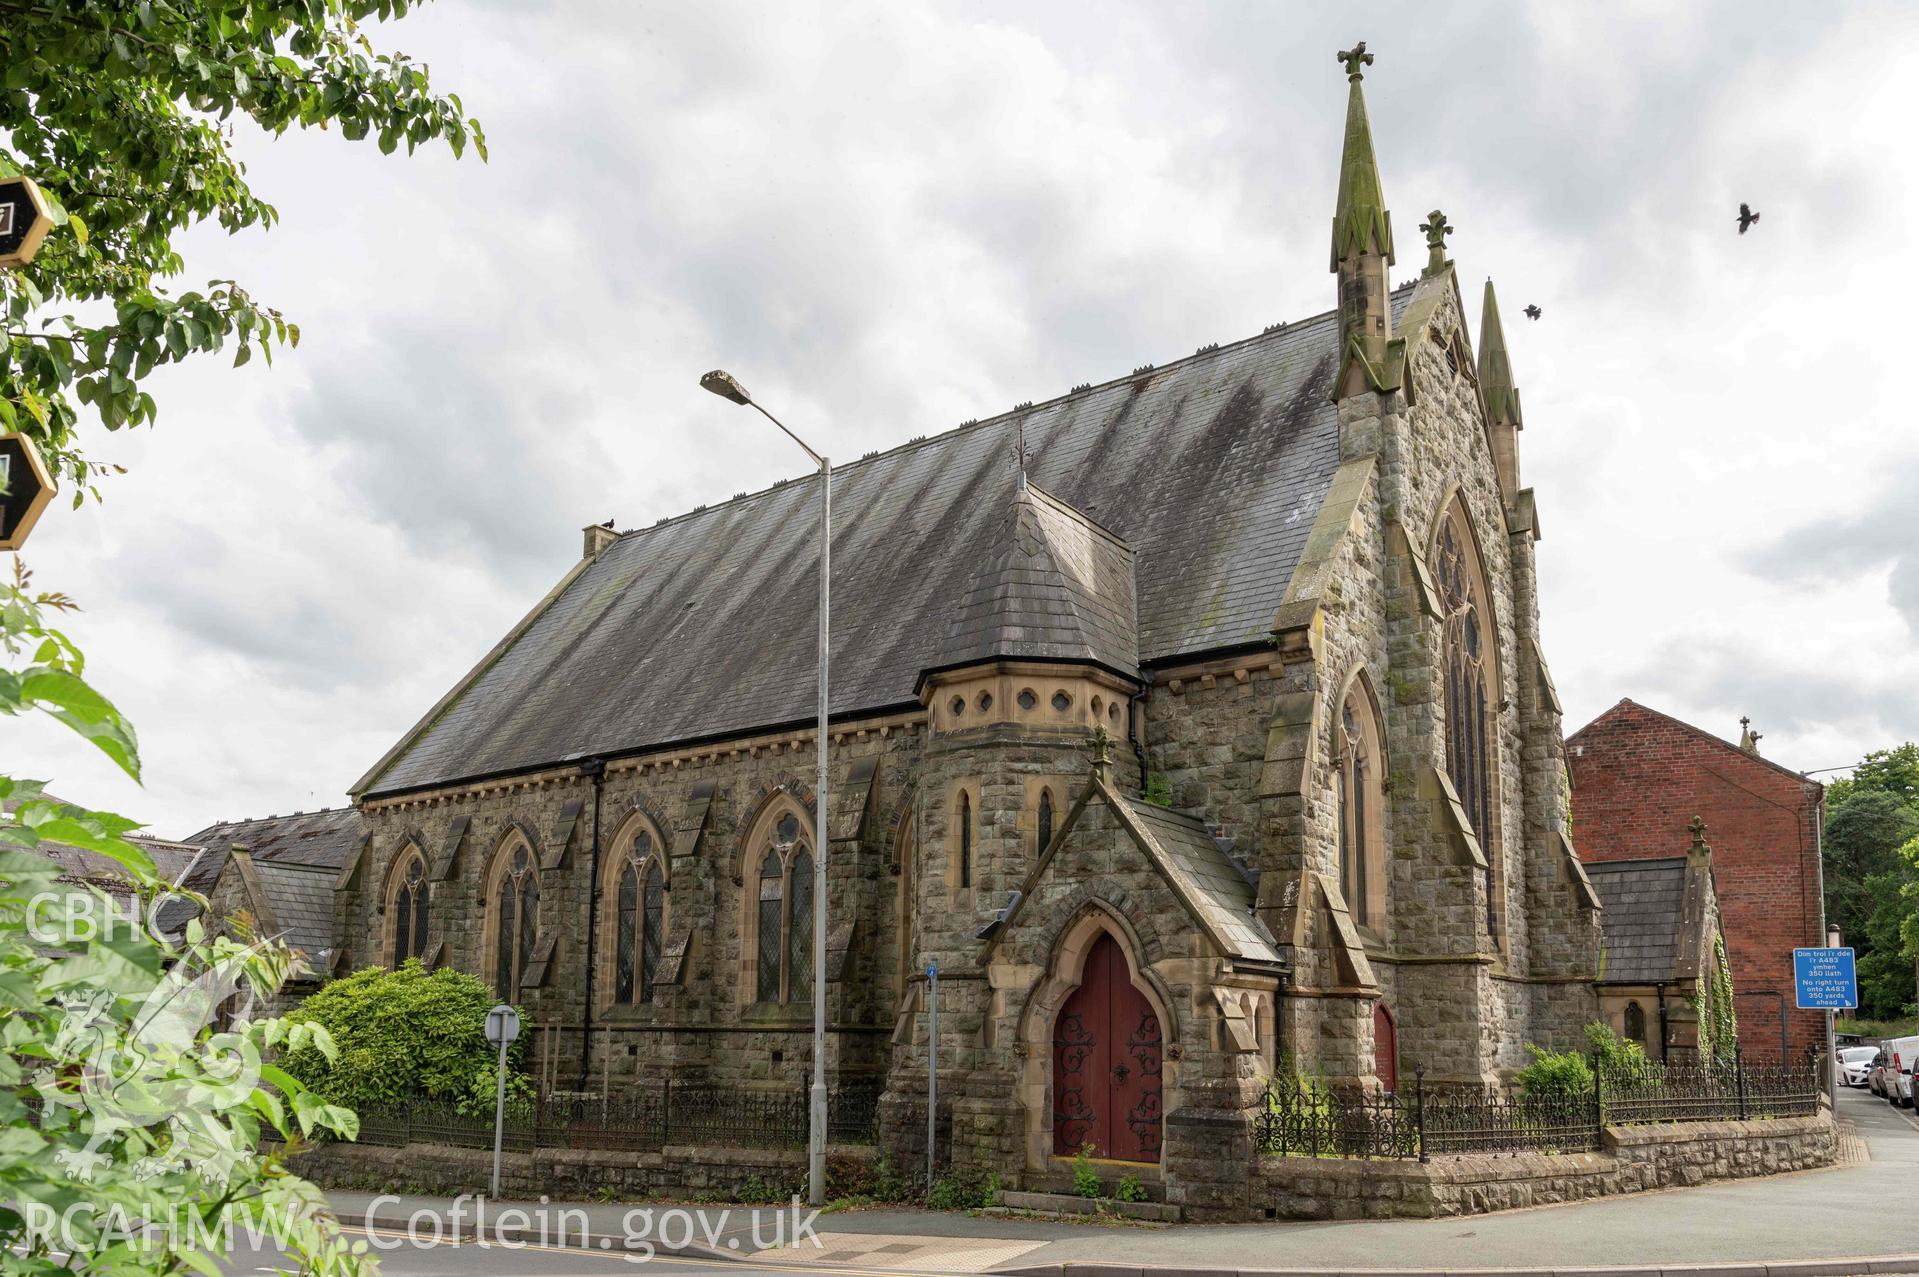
(1856, 1218)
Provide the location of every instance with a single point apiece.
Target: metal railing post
(1739, 1077)
(1599, 1098)
(1419, 1112)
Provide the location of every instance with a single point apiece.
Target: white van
(1901, 1055)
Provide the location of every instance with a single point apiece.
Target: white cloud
(889, 217)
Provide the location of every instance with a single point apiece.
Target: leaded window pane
(1045, 819)
(769, 928)
(1357, 900)
(403, 926)
(800, 930)
(529, 922)
(652, 930)
(628, 917)
(419, 917)
(503, 907)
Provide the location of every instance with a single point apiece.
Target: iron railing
(639, 1119)
(1315, 1119)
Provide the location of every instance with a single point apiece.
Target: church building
(1196, 725)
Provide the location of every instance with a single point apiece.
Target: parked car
(1901, 1055)
(1876, 1075)
(1855, 1063)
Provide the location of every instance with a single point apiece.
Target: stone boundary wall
(567, 1174)
(1635, 1158)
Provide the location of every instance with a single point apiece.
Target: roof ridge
(1729, 746)
(1083, 390)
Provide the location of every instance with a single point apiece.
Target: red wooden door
(1106, 1064)
(1385, 1047)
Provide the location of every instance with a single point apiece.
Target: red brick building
(1639, 777)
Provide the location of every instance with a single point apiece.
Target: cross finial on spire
(1698, 828)
(1437, 229)
(1355, 58)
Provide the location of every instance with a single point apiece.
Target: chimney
(598, 537)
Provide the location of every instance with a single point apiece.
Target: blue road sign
(1825, 979)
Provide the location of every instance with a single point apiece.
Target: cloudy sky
(890, 217)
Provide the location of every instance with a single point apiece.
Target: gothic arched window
(1469, 681)
(963, 817)
(407, 907)
(640, 921)
(515, 906)
(1045, 825)
(1635, 1020)
(783, 916)
(1358, 790)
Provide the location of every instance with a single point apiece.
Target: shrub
(1130, 1189)
(1620, 1058)
(1555, 1074)
(403, 1035)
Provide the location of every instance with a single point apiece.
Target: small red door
(1106, 1064)
(1385, 1047)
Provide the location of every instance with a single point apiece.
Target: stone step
(1072, 1204)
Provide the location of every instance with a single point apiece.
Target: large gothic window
(1357, 776)
(640, 918)
(515, 922)
(1469, 681)
(407, 907)
(783, 915)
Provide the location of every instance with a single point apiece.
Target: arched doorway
(1385, 1047)
(1106, 1064)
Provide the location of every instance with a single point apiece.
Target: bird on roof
(1533, 312)
(1746, 218)
(607, 524)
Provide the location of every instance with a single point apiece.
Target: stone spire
(1362, 228)
(1748, 738)
(1501, 397)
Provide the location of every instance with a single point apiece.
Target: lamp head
(722, 383)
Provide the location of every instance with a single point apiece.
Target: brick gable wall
(1640, 777)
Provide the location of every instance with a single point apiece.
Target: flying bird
(1746, 218)
(1533, 312)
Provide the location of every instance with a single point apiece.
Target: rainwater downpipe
(1135, 707)
(593, 769)
(1661, 987)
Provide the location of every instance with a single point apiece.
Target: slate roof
(703, 626)
(1218, 891)
(301, 897)
(1060, 587)
(317, 838)
(1641, 902)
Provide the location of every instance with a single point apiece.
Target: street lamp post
(726, 387)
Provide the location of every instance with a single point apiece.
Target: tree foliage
(125, 112)
(120, 1102)
(1871, 848)
(403, 1034)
